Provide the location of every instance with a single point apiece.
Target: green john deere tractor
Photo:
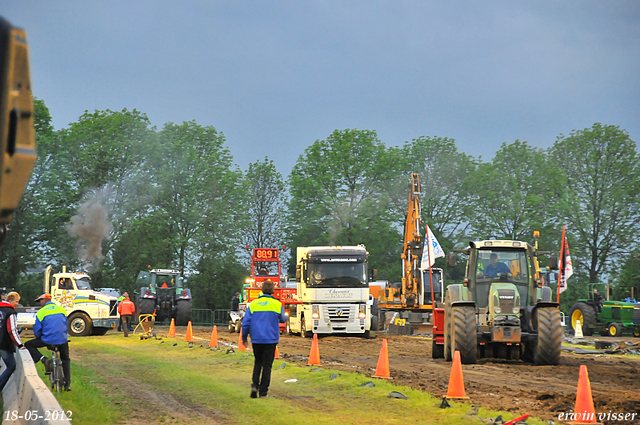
(503, 309)
(608, 318)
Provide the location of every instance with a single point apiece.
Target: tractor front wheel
(464, 337)
(547, 350)
(614, 329)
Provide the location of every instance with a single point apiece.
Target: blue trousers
(10, 362)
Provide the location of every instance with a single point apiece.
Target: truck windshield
(83, 283)
(337, 275)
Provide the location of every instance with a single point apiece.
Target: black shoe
(48, 366)
(67, 388)
(254, 391)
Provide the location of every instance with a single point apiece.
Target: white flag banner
(567, 268)
(434, 250)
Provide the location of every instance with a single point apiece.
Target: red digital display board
(265, 254)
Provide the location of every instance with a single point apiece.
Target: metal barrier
(221, 317)
(202, 317)
(27, 400)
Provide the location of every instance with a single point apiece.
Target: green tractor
(503, 309)
(163, 293)
(608, 318)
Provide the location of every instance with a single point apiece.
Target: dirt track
(543, 391)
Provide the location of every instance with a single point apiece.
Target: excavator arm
(413, 245)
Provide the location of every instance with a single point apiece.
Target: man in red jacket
(126, 309)
(9, 337)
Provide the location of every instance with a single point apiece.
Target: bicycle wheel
(59, 375)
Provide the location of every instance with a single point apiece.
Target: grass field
(132, 381)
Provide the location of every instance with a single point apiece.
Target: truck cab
(88, 311)
(333, 290)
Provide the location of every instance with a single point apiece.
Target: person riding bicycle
(50, 330)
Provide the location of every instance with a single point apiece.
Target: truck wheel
(146, 306)
(79, 324)
(585, 314)
(303, 329)
(614, 329)
(238, 326)
(463, 336)
(448, 356)
(232, 327)
(437, 350)
(374, 323)
(549, 347)
(183, 313)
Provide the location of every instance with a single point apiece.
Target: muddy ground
(514, 386)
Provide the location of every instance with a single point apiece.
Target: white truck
(88, 312)
(333, 290)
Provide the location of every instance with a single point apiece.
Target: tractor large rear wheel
(464, 337)
(183, 313)
(547, 350)
(585, 314)
(147, 306)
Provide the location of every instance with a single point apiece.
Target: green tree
(629, 277)
(600, 198)
(198, 190)
(265, 205)
(25, 245)
(443, 173)
(511, 194)
(106, 150)
(338, 197)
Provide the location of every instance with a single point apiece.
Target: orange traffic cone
(277, 356)
(382, 370)
(189, 336)
(584, 411)
(314, 355)
(172, 329)
(456, 382)
(213, 342)
(241, 346)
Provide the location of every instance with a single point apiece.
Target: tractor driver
(496, 268)
(597, 298)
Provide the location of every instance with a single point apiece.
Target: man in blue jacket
(51, 329)
(262, 321)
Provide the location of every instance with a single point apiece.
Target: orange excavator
(419, 288)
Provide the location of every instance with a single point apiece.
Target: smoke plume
(91, 226)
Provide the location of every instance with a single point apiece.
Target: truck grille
(636, 312)
(340, 313)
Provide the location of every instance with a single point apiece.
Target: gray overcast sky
(274, 76)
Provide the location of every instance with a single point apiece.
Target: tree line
(112, 194)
